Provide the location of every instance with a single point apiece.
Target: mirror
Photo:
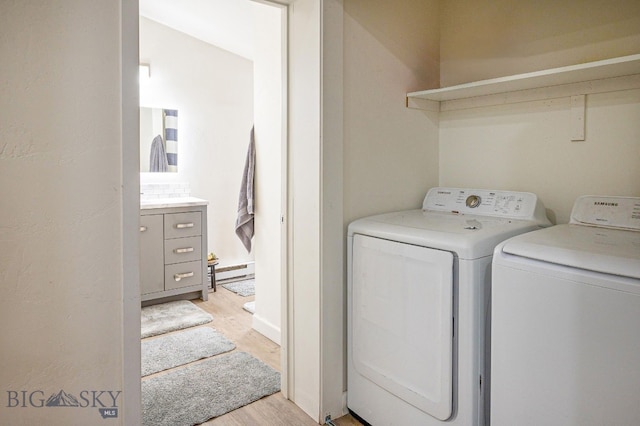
(158, 140)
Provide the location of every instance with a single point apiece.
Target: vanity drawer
(180, 250)
(182, 275)
(179, 225)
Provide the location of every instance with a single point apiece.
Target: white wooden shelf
(594, 77)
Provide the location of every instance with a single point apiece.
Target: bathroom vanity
(173, 247)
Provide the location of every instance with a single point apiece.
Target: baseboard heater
(237, 272)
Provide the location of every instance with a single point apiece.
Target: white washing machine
(418, 289)
(566, 320)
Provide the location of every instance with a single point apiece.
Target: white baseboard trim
(265, 328)
(231, 272)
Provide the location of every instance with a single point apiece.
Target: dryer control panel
(607, 211)
(484, 202)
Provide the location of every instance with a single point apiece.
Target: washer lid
(610, 251)
(469, 236)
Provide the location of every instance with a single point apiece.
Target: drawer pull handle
(143, 228)
(184, 225)
(183, 250)
(178, 277)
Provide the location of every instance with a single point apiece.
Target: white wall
(527, 146)
(483, 39)
(390, 151)
(212, 89)
(61, 184)
(268, 62)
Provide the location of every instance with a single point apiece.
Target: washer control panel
(518, 205)
(607, 211)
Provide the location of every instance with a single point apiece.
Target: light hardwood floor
(235, 323)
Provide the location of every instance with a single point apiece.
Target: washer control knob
(473, 201)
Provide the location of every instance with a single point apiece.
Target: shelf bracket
(578, 117)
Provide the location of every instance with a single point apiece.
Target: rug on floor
(250, 307)
(182, 347)
(166, 317)
(206, 389)
(242, 288)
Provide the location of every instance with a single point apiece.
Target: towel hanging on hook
(244, 222)
(158, 156)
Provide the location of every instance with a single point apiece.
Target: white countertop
(164, 203)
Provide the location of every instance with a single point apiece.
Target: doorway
(267, 94)
(313, 246)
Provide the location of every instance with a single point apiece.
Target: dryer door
(402, 312)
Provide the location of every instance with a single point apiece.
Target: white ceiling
(223, 23)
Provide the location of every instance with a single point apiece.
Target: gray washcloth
(158, 156)
(244, 222)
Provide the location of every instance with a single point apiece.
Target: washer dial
(473, 201)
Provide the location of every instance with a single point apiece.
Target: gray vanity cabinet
(151, 253)
(173, 251)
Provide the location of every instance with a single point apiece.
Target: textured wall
(61, 193)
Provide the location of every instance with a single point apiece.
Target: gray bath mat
(181, 348)
(242, 288)
(207, 389)
(166, 317)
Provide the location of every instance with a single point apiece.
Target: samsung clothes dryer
(418, 290)
(566, 320)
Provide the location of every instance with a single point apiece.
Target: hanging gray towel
(158, 156)
(244, 222)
